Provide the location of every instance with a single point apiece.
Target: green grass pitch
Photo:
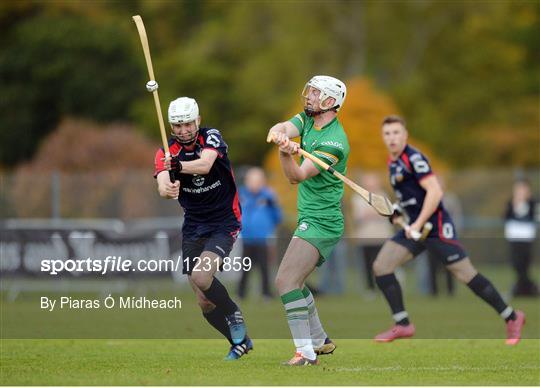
(459, 341)
(198, 362)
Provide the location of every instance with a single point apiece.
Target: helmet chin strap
(313, 113)
(183, 142)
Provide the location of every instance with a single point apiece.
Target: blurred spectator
(370, 229)
(454, 208)
(520, 232)
(260, 216)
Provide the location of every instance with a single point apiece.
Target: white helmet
(183, 110)
(329, 87)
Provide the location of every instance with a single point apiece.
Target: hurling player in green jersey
(320, 220)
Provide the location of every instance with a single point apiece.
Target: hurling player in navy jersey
(420, 195)
(206, 190)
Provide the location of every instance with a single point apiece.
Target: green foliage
(453, 68)
(74, 148)
(55, 66)
(472, 66)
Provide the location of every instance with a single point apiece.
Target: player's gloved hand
(172, 163)
(176, 165)
(152, 86)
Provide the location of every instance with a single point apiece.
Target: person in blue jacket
(261, 215)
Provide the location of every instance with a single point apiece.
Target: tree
(54, 66)
(95, 164)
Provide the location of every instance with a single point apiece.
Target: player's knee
(284, 283)
(381, 267)
(202, 280)
(463, 271)
(463, 275)
(279, 282)
(458, 275)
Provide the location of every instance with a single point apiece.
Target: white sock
(317, 333)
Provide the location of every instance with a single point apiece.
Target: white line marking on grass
(432, 368)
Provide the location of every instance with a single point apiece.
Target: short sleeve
(212, 139)
(158, 162)
(420, 166)
(329, 152)
(299, 121)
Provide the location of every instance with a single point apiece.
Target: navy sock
(217, 319)
(218, 295)
(392, 292)
(485, 290)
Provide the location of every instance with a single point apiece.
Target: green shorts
(323, 234)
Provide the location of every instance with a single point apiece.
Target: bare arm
(199, 166)
(202, 165)
(434, 194)
(166, 189)
(281, 133)
(286, 128)
(295, 173)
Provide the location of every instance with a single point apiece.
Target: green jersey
(320, 196)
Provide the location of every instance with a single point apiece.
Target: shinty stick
(146, 49)
(380, 203)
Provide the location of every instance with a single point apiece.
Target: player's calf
(515, 320)
(218, 295)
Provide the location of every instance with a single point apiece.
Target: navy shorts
(197, 239)
(441, 242)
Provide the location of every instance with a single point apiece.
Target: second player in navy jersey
(407, 172)
(420, 195)
(205, 188)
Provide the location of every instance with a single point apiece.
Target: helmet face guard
(329, 87)
(186, 140)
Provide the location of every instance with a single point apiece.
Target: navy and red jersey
(211, 198)
(406, 173)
